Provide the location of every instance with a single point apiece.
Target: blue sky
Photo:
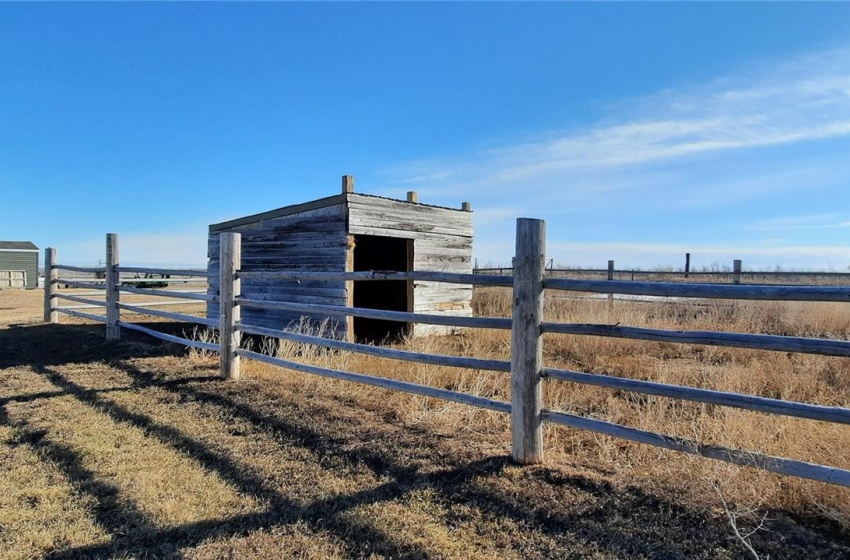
(637, 131)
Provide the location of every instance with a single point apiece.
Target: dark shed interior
(372, 252)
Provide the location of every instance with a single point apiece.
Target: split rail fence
(735, 275)
(527, 325)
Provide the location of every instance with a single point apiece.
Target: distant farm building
(353, 232)
(18, 265)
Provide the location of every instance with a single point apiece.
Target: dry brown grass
(136, 450)
(806, 378)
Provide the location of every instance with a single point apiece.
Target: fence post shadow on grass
(324, 514)
(115, 516)
(53, 345)
(451, 483)
(459, 481)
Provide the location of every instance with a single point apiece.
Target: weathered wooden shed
(18, 264)
(353, 232)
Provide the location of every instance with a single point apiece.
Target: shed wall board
(442, 241)
(317, 237)
(313, 240)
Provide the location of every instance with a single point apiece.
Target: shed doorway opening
(372, 252)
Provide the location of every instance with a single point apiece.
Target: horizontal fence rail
(92, 269)
(81, 314)
(83, 285)
(403, 316)
(780, 465)
(165, 271)
(803, 345)
(169, 337)
(708, 291)
(212, 323)
(832, 414)
(674, 273)
(87, 301)
(163, 280)
(180, 302)
(530, 281)
(405, 386)
(379, 351)
(167, 293)
(447, 277)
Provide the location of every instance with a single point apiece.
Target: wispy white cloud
(801, 100)
(734, 150)
(817, 221)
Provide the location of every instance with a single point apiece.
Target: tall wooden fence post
(736, 271)
(51, 274)
(229, 311)
(527, 342)
(610, 277)
(113, 330)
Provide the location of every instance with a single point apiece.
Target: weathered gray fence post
(736, 271)
(527, 342)
(51, 274)
(610, 277)
(347, 184)
(229, 311)
(113, 330)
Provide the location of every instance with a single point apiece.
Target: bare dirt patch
(136, 449)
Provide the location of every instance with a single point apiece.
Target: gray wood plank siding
(442, 241)
(314, 237)
(21, 260)
(312, 240)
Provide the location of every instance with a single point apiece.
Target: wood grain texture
(527, 342)
(823, 347)
(113, 331)
(380, 351)
(168, 315)
(832, 414)
(230, 311)
(404, 386)
(82, 315)
(51, 274)
(708, 291)
(320, 240)
(169, 338)
(780, 465)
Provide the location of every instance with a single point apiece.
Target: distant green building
(18, 265)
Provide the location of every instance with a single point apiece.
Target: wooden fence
(527, 325)
(735, 275)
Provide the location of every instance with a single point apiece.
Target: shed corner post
(51, 275)
(230, 312)
(347, 184)
(113, 329)
(527, 342)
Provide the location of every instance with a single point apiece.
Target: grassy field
(135, 449)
